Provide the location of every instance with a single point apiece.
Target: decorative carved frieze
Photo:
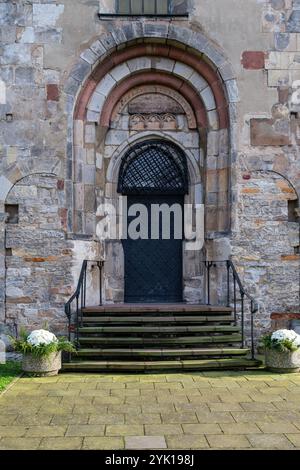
(153, 121)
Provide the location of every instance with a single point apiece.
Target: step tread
(158, 329)
(157, 319)
(110, 308)
(163, 351)
(179, 339)
(198, 364)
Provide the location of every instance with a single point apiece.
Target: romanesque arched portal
(180, 89)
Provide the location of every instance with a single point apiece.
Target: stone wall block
(90, 134)
(213, 140)
(232, 91)
(89, 56)
(198, 82)
(120, 72)
(96, 103)
(119, 35)
(155, 30)
(46, 15)
(162, 63)
(216, 56)
(98, 48)
(93, 116)
(140, 63)
(183, 35)
(80, 70)
(71, 86)
(226, 71)
(16, 54)
(106, 85)
(197, 41)
(5, 186)
(293, 23)
(208, 99)
(108, 42)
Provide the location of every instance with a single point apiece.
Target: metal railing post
(228, 283)
(243, 319)
(252, 330)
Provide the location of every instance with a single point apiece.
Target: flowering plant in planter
(282, 351)
(41, 351)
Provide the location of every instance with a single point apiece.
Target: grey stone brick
(80, 70)
(98, 48)
(293, 23)
(108, 41)
(89, 56)
(158, 30)
(24, 75)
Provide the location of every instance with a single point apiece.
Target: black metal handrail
(234, 284)
(79, 297)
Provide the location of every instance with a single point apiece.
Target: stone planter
(42, 366)
(282, 362)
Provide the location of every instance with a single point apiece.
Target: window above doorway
(153, 8)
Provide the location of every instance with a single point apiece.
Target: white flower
(291, 335)
(38, 337)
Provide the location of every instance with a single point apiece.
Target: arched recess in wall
(109, 75)
(36, 255)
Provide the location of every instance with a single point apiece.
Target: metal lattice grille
(153, 167)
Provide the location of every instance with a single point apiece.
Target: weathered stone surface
(264, 132)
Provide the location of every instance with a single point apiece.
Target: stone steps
(182, 340)
(138, 366)
(156, 308)
(139, 353)
(157, 319)
(158, 337)
(158, 329)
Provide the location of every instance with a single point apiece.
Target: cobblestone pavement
(219, 410)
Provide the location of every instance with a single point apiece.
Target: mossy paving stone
(124, 430)
(162, 429)
(203, 428)
(270, 441)
(187, 442)
(107, 418)
(34, 420)
(280, 427)
(45, 431)
(77, 430)
(103, 443)
(12, 431)
(221, 441)
(65, 420)
(151, 418)
(61, 443)
(179, 418)
(207, 417)
(16, 443)
(239, 428)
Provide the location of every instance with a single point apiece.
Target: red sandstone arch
(171, 52)
(154, 78)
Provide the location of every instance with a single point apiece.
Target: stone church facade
(83, 81)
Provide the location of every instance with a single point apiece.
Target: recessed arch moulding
(186, 69)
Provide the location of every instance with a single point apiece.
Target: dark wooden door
(153, 267)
